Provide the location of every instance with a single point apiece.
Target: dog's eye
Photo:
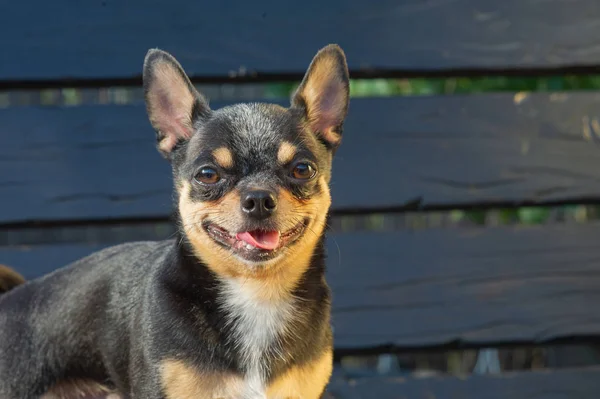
(303, 171)
(207, 175)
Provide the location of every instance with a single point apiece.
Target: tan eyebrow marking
(286, 152)
(223, 157)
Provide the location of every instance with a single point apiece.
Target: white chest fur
(257, 325)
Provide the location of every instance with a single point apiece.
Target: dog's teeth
(248, 246)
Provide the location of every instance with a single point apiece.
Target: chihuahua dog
(236, 305)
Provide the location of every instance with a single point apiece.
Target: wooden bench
(79, 171)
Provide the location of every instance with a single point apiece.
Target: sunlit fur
(182, 381)
(223, 157)
(286, 152)
(303, 381)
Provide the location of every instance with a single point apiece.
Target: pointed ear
(172, 102)
(324, 94)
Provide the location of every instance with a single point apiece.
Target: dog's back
(46, 330)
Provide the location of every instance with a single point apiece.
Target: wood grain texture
(65, 39)
(411, 289)
(551, 384)
(100, 161)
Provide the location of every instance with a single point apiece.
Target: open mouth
(256, 245)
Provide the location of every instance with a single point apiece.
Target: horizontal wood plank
(100, 161)
(36, 261)
(434, 287)
(551, 384)
(107, 39)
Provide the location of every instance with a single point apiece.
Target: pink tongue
(268, 240)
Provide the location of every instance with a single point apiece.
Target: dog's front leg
(181, 379)
(304, 382)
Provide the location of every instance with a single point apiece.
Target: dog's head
(251, 179)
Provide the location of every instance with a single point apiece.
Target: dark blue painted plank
(549, 384)
(100, 161)
(81, 162)
(33, 262)
(434, 287)
(107, 38)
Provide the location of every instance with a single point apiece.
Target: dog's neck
(268, 331)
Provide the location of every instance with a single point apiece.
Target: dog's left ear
(324, 94)
(172, 102)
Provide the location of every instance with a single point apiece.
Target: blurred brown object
(9, 279)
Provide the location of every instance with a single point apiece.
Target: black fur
(115, 315)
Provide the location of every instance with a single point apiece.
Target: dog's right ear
(172, 102)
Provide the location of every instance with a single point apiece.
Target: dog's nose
(259, 204)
